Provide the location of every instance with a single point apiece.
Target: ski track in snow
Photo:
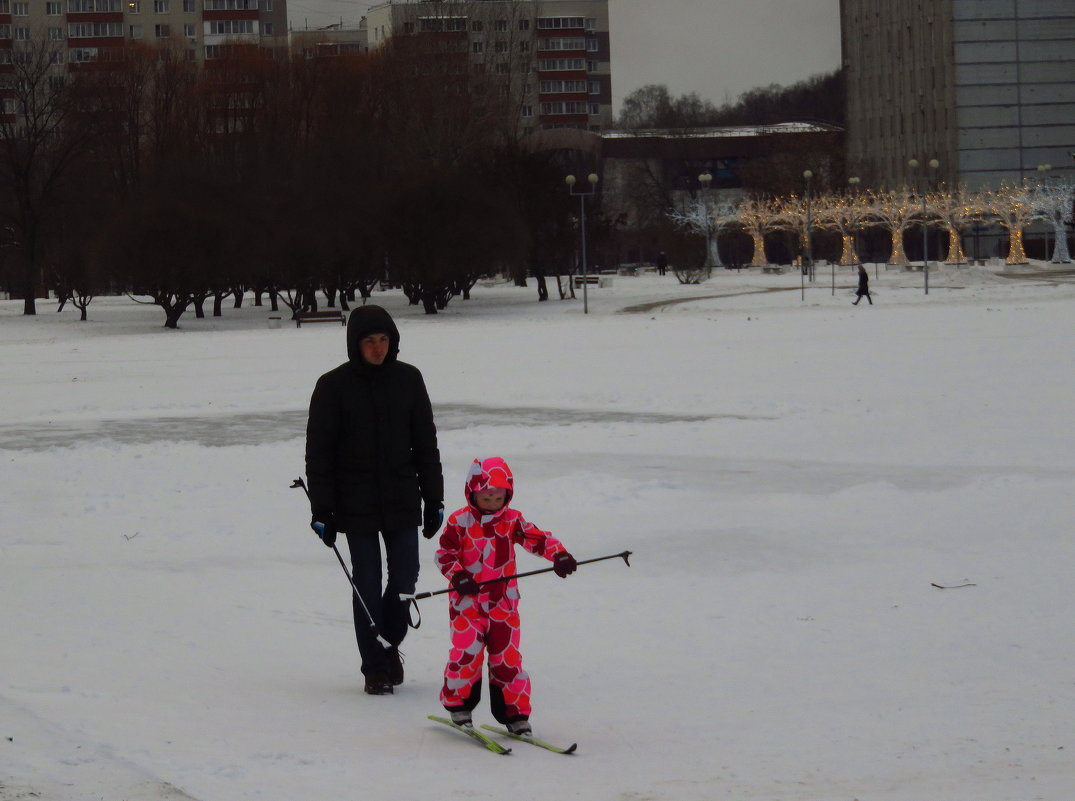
(259, 428)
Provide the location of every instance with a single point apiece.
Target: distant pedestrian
(662, 263)
(864, 287)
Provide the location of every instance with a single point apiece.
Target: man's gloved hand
(432, 517)
(564, 564)
(324, 525)
(464, 583)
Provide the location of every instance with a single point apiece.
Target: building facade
(985, 87)
(88, 31)
(553, 56)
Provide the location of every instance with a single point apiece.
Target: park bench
(587, 279)
(329, 316)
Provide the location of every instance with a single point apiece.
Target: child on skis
(478, 545)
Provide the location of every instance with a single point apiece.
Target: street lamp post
(853, 182)
(570, 181)
(1043, 170)
(705, 179)
(807, 175)
(933, 164)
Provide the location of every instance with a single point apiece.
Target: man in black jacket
(373, 468)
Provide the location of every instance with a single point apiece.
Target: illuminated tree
(1054, 203)
(1012, 209)
(893, 210)
(845, 213)
(756, 217)
(957, 211)
(792, 213)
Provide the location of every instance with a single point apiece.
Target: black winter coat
(371, 444)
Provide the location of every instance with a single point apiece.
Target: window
(555, 23)
(189, 6)
(591, 45)
(160, 6)
(134, 31)
(563, 44)
(501, 25)
(20, 9)
(501, 69)
(528, 111)
(564, 107)
(22, 33)
(162, 31)
(266, 29)
(189, 30)
(500, 47)
(595, 109)
(89, 30)
(477, 47)
(134, 7)
(55, 34)
(5, 8)
(53, 9)
(225, 27)
(265, 5)
(408, 27)
(476, 26)
(591, 66)
(524, 47)
(83, 54)
(556, 64)
(5, 31)
(5, 56)
(595, 87)
(557, 87)
(524, 25)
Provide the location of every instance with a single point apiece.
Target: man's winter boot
(395, 666)
(520, 727)
(461, 717)
(378, 684)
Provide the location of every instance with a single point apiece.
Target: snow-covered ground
(793, 477)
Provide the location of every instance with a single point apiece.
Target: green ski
(473, 734)
(532, 740)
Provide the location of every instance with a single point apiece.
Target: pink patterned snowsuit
(484, 545)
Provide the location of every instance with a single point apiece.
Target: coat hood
(366, 320)
(492, 473)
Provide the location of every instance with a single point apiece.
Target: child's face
(490, 500)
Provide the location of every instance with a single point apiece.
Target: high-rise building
(552, 55)
(985, 87)
(85, 31)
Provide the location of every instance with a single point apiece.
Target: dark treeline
(818, 99)
(183, 184)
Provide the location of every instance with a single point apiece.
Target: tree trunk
(543, 288)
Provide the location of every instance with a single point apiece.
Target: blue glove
(325, 527)
(432, 519)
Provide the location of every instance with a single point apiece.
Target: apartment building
(86, 31)
(985, 87)
(552, 55)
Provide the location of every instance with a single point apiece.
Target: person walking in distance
(374, 474)
(864, 287)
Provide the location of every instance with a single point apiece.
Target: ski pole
(624, 555)
(373, 626)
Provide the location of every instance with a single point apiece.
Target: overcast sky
(717, 48)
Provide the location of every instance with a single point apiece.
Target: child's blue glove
(325, 527)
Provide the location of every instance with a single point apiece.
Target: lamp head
(570, 180)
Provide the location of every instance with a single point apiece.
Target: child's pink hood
(492, 473)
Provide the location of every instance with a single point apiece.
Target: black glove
(431, 519)
(564, 564)
(324, 525)
(464, 583)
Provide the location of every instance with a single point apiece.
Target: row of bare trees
(846, 214)
(179, 183)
